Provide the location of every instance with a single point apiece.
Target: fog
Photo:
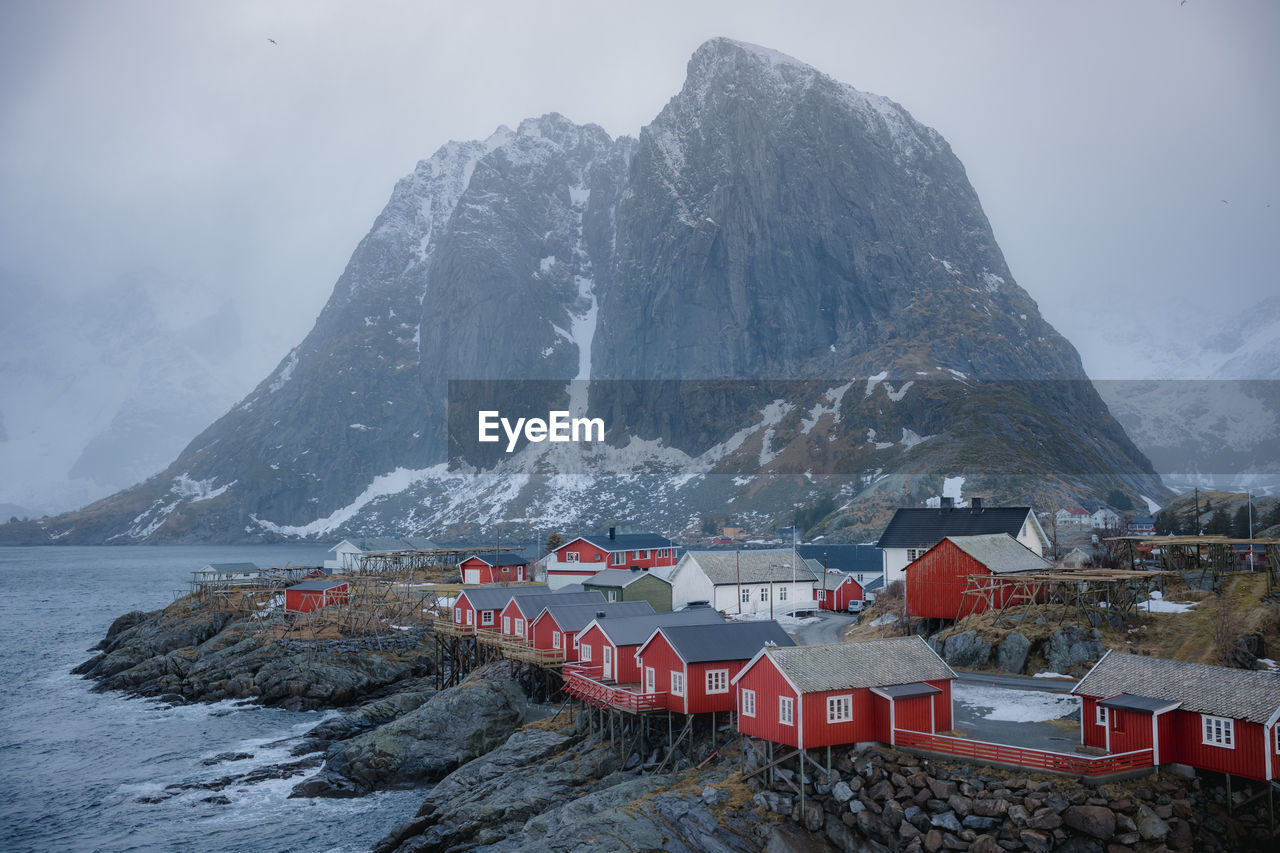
(1125, 153)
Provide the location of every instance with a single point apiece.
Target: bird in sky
(273, 41)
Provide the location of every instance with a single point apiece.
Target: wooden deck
(1034, 759)
(584, 682)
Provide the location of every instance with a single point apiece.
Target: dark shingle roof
(731, 567)
(924, 528)
(634, 630)
(619, 578)
(496, 597)
(502, 558)
(874, 663)
(726, 641)
(906, 691)
(531, 605)
(574, 617)
(317, 586)
(1135, 703)
(1243, 694)
(846, 558)
(627, 541)
(1001, 553)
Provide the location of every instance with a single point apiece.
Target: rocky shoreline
(506, 773)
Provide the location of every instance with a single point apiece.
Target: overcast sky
(1125, 152)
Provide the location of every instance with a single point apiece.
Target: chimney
(613, 533)
(975, 503)
(600, 614)
(948, 503)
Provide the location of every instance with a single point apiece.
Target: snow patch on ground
(382, 486)
(833, 397)
(1157, 604)
(285, 373)
(1014, 706)
(873, 381)
(1152, 506)
(195, 491)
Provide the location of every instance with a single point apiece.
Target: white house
(913, 531)
(774, 581)
(1105, 518)
(1073, 517)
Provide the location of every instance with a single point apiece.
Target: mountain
(102, 389)
(784, 292)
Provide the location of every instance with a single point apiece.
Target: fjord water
(74, 763)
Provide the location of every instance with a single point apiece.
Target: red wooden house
(694, 664)
(610, 642)
(582, 556)
(313, 595)
(515, 616)
(494, 568)
(836, 590)
(1207, 717)
(937, 579)
(842, 693)
(557, 627)
(480, 607)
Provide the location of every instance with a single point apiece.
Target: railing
(582, 681)
(446, 626)
(528, 654)
(1058, 762)
(490, 637)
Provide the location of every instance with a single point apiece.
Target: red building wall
(593, 558)
(936, 581)
(461, 609)
(818, 732)
(541, 637)
(305, 601)
(701, 702)
(768, 684)
(839, 598)
(512, 611)
(1246, 759)
(659, 655)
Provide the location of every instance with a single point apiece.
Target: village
(658, 644)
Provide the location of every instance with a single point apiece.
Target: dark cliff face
(770, 223)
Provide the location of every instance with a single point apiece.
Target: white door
(471, 576)
(648, 679)
(608, 661)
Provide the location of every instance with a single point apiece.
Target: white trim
(721, 676)
(1217, 731)
(743, 695)
(674, 691)
(844, 705)
(555, 639)
(483, 614)
(790, 704)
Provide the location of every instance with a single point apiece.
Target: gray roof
(496, 597)
(1001, 553)
(1243, 694)
(231, 567)
(874, 663)
(317, 586)
(634, 630)
(731, 567)
(725, 641)
(625, 541)
(916, 527)
(500, 558)
(574, 617)
(1136, 703)
(619, 578)
(531, 605)
(906, 691)
(848, 558)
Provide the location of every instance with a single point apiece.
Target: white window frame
(1100, 715)
(840, 708)
(575, 642)
(782, 593)
(586, 653)
(650, 679)
(764, 593)
(555, 639)
(457, 615)
(613, 595)
(746, 596)
(786, 710)
(1276, 732)
(471, 616)
(571, 556)
(677, 683)
(642, 555)
(1218, 731)
(617, 558)
(486, 617)
(748, 702)
(506, 624)
(519, 627)
(717, 681)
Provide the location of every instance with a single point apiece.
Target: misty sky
(1126, 153)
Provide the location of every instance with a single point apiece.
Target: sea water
(75, 765)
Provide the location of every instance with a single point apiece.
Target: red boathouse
(314, 595)
(843, 693)
(494, 568)
(937, 579)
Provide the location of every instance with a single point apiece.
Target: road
(1017, 682)
(826, 629)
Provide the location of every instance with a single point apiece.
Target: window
(782, 594)
(1102, 715)
(555, 639)
(613, 595)
(1218, 731)
(1277, 731)
(839, 709)
(571, 556)
(520, 627)
(486, 617)
(617, 558)
(470, 616)
(575, 641)
(717, 681)
(506, 624)
(746, 596)
(913, 554)
(649, 679)
(748, 703)
(786, 710)
(586, 654)
(764, 593)
(677, 683)
(598, 556)
(642, 555)
(457, 615)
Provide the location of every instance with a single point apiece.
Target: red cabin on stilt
(314, 595)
